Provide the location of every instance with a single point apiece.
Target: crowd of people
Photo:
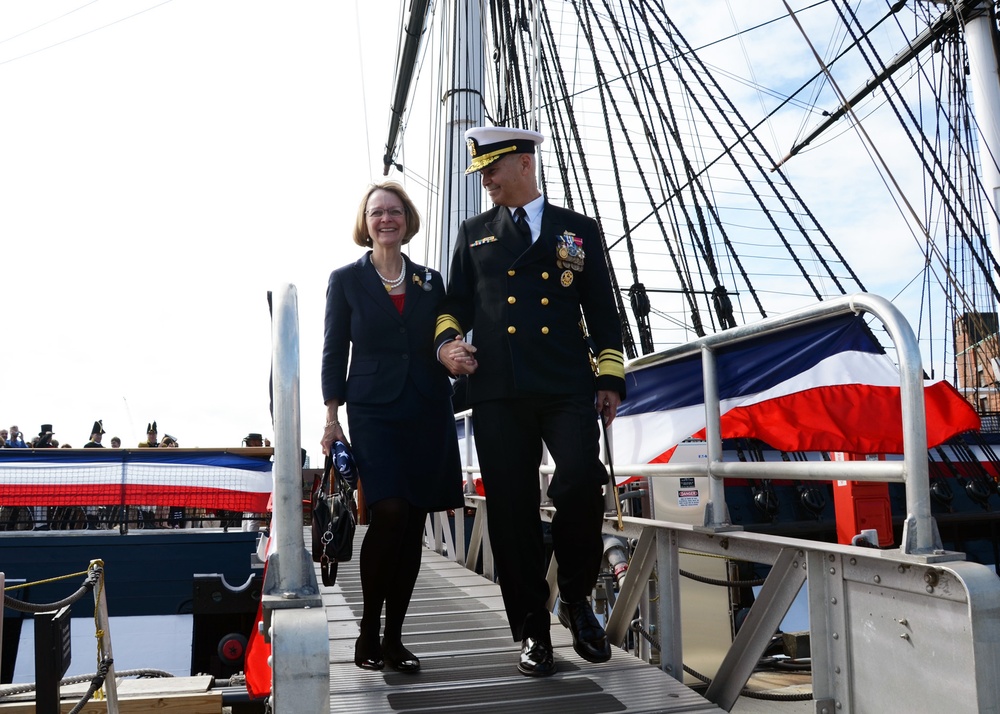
(94, 517)
(13, 438)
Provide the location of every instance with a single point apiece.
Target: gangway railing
(888, 627)
(920, 535)
(294, 617)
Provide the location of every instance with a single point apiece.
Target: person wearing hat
(152, 441)
(522, 274)
(253, 522)
(378, 360)
(44, 438)
(149, 513)
(96, 434)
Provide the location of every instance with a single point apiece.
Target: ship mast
(981, 40)
(463, 101)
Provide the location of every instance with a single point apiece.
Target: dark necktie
(521, 222)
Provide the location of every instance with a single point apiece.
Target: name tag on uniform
(484, 241)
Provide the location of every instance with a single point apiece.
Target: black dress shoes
(367, 658)
(399, 658)
(536, 658)
(589, 639)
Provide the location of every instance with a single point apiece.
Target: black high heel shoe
(367, 660)
(399, 658)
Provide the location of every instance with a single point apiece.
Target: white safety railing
(887, 626)
(294, 617)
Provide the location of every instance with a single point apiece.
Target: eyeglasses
(379, 212)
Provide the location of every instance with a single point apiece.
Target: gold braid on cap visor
(482, 161)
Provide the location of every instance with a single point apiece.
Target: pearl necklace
(389, 285)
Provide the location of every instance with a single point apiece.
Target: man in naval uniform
(148, 513)
(523, 274)
(96, 434)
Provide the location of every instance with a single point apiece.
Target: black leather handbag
(334, 517)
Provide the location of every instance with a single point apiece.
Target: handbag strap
(333, 481)
(326, 484)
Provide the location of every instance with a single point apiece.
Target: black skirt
(408, 449)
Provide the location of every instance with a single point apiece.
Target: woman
(381, 311)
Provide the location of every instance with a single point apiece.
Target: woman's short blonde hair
(361, 236)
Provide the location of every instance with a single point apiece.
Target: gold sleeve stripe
(447, 322)
(611, 363)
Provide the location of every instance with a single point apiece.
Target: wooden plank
(186, 703)
(162, 694)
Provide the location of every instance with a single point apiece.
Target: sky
(164, 164)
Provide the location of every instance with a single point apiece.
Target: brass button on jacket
(511, 329)
(545, 330)
(511, 300)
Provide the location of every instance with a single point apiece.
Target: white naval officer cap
(489, 143)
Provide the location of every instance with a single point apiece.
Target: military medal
(427, 281)
(569, 251)
(566, 278)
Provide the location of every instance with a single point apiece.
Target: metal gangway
(907, 629)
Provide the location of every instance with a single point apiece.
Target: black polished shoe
(589, 639)
(399, 658)
(367, 660)
(536, 658)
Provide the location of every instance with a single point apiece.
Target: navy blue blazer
(523, 305)
(369, 349)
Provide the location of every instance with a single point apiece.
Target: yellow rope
(50, 580)
(98, 632)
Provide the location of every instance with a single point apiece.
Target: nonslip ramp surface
(456, 625)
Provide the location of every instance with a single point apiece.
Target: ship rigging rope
(639, 163)
(961, 281)
(653, 28)
(696, 239)
(938, 173)
(896, 190)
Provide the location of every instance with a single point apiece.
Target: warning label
(688, 498)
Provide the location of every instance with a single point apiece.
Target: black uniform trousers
(509, 435)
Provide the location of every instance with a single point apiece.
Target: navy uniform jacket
(523, 305)
(385, 347)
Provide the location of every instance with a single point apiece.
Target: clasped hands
(458, 356)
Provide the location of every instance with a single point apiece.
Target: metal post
(985, 81)
(920, 535)
(716, 511)
(294, 616)
(104, 638)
